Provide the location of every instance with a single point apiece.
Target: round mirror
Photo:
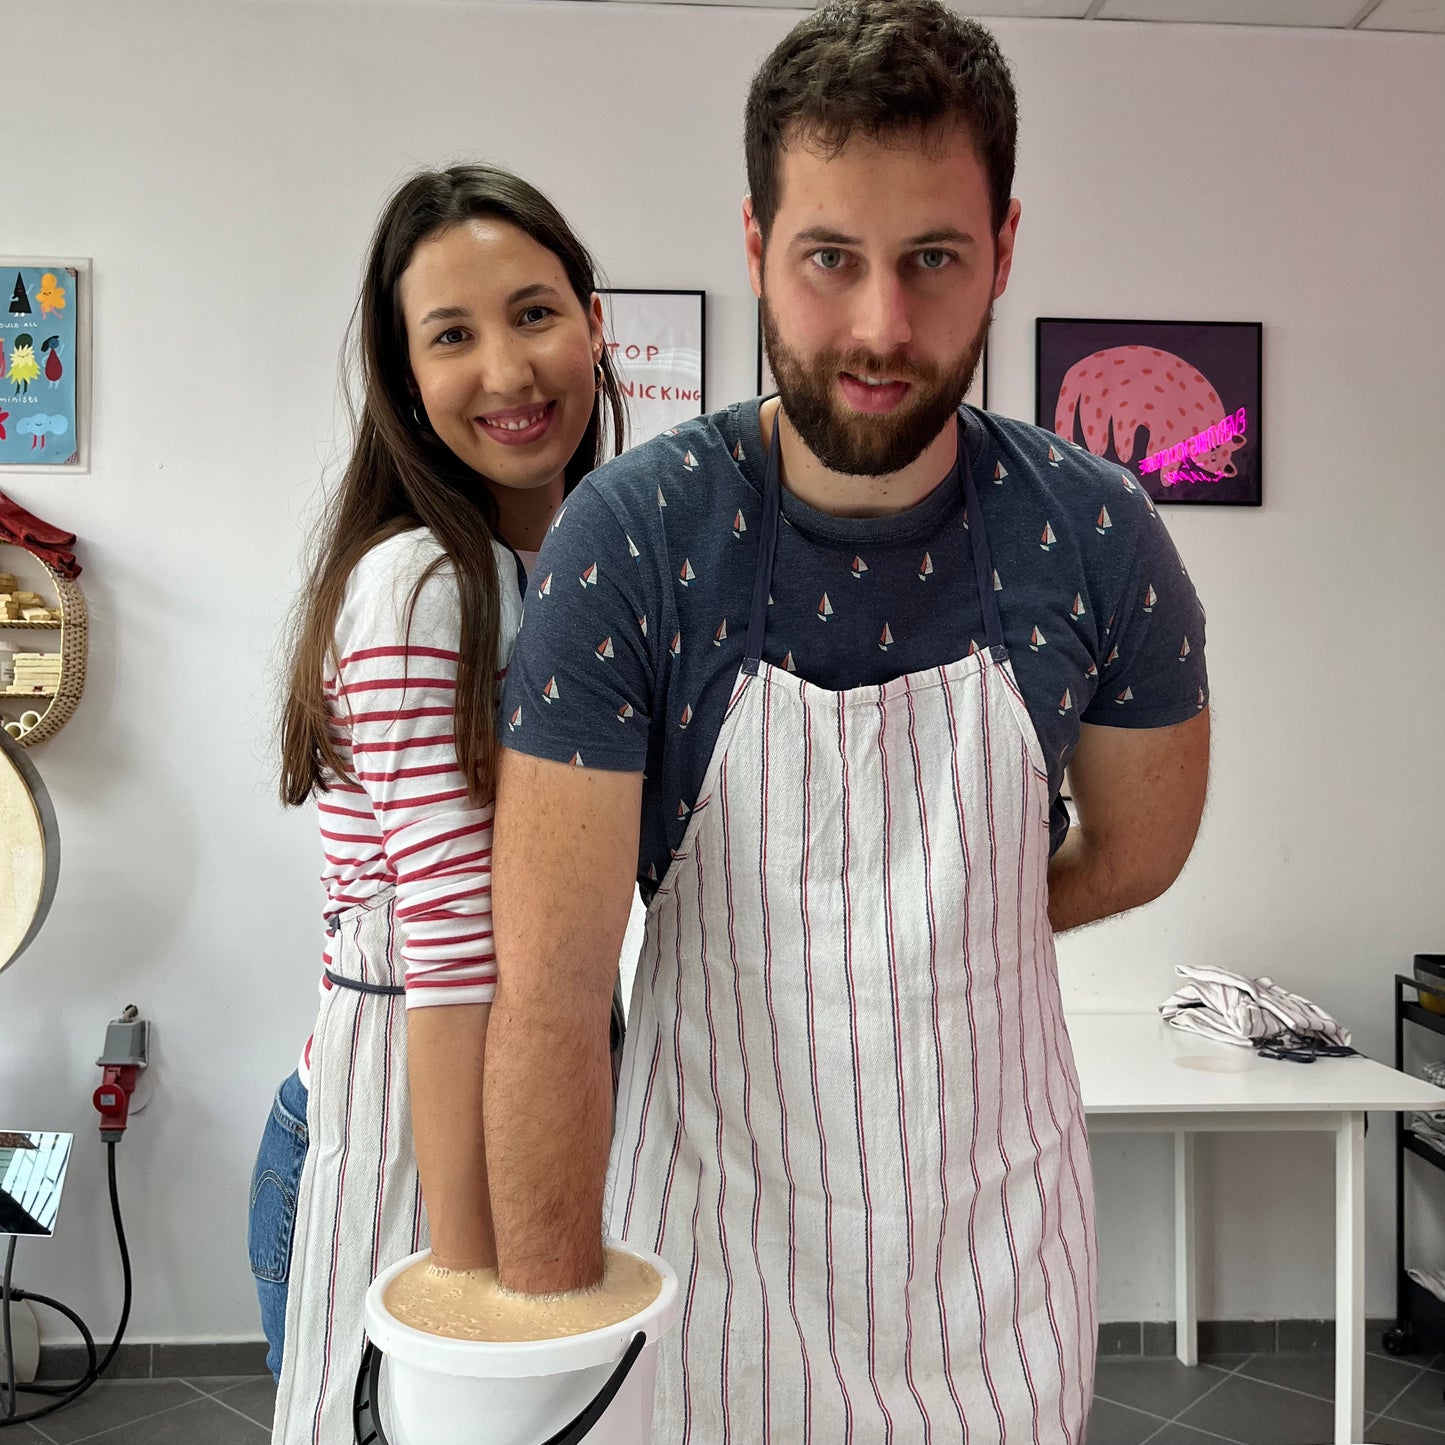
(29, 851)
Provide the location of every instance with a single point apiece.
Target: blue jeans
(274, 1186)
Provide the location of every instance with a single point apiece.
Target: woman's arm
(446, 1054)
(396, 691)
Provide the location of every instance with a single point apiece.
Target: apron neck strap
(768, 547)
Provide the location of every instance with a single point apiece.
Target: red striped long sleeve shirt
(400, 818)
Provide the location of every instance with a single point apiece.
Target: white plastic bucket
(442, 1391)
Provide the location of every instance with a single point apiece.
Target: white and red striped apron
(849, 1116)
(359, 1208)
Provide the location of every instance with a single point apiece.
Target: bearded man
(809, 670)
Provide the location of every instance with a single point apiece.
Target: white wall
(223, 163)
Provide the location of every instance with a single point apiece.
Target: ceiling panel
(1326, 13)
(1427, 15)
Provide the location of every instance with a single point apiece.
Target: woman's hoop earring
(601, 379)
(417, 418)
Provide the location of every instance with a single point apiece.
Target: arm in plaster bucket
(564, 863)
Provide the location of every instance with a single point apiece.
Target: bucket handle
(368, 1390)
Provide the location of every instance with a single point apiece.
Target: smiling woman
(505, 358)
(487, 395)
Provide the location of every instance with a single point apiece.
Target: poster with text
(1178, 402)
(657, 343)
(41, 309)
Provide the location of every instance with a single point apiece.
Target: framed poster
(44, 364)
(1178, 401)
(976, 395)
(658, 343)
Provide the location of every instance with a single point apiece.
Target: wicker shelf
(55, 704)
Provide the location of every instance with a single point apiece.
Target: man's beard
(854, 443)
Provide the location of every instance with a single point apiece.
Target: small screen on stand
(32, 1172)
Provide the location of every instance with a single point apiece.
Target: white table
(1139, 1075)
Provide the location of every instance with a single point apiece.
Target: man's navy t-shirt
(637, 608)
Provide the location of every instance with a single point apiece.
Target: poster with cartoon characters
(41, 303)
(1177, 402)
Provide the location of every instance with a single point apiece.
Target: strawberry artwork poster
(1176, 402)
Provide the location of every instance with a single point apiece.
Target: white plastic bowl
(442, 1391)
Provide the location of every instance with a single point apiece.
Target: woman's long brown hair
(401, 476)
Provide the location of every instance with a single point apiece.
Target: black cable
(10, 1400)
(65, 1392)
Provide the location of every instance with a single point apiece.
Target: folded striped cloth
(1246, 1011)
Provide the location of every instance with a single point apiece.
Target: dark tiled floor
(212, 1411)
(1239, 1400)
(1281, 1399)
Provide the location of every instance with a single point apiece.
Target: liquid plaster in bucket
(445, 1391)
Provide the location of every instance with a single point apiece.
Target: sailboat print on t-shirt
(859, 566)
(1184, 651)
(1077, 610)
(999, 472)
(788, 663)
(739, 523)
(675, 646)
(689, 461)
(1065, 703)
(1048, 539)
(589, 577)
(551, 692)
(632, 548)
(925, 567)
(1104, 522)
(738, 451)
(1150, 598)
(825, 609)
(625, 712)
(686, 575)
(1037, 640)
(1054, 457)
(604, 650)
(686, 717)
(885, 638)
(515, 721)
(721, 635)
(545, 590)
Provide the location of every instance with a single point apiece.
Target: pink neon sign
(1227, 433)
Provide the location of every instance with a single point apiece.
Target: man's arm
(562, 877)
(1139, 796)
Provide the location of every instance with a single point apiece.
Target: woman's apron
(849, 1116)
(359, 1208)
